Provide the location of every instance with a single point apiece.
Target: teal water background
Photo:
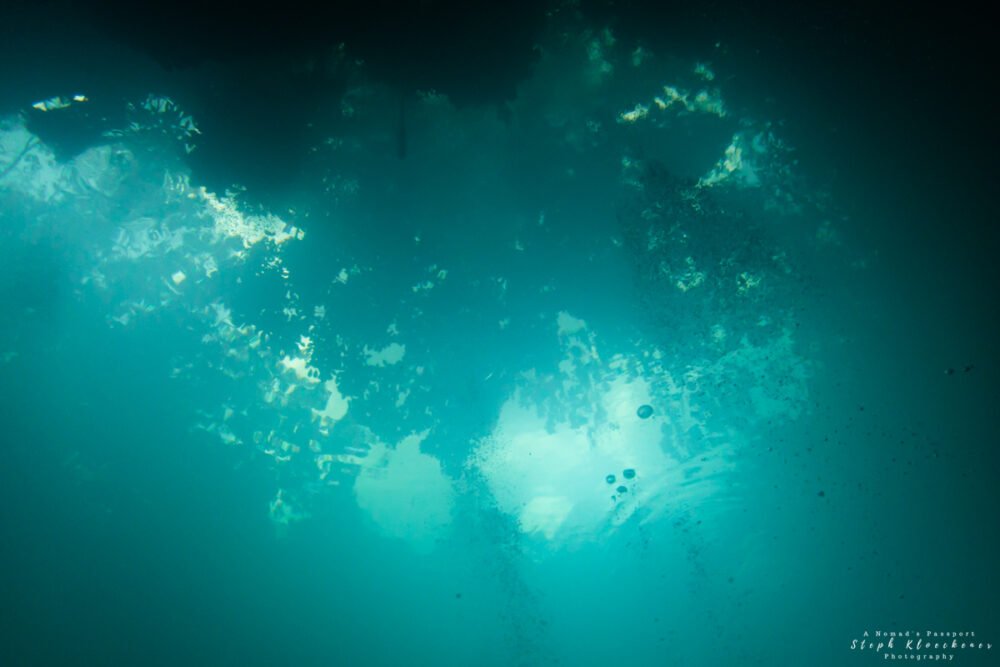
(843, 483)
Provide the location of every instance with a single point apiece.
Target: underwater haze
(572, 334)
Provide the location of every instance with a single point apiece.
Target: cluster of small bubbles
(627, 473)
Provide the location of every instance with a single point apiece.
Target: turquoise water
(619, 371)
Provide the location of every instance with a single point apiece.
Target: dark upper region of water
(474, 52)
(264, 77)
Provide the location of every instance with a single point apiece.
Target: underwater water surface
(609, 374)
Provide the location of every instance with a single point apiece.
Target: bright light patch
(387, 356)
(300, 368)
(568, 324)
(638, 112)
(336, 404)
(405, 492)
(573, 464)
(545, 514)
(555, 480)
